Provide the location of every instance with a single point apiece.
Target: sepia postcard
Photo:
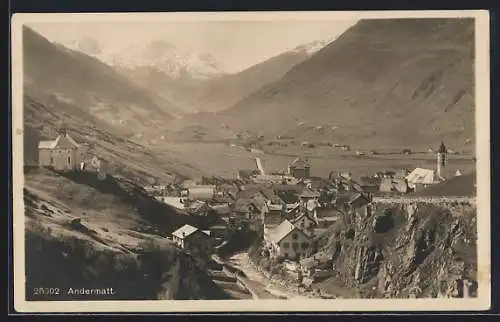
(251, 162)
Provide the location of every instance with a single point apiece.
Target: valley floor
(225, 160)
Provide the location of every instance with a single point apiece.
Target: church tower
(441, 159)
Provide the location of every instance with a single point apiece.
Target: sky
(235, 44)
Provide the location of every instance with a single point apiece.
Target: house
(293, 210)
(327, 216)
(176, 202)
(92, 165)
(288, 193)
(421, 177)
(223, 211)
(341, 200)
(62, 154)
(193, 240)
(360, 203)
(345, 147)
(205, 192)
(218, 231)
(395, 184)
(369, 184)
(306, 222)
(197, 207)
(286, 241)
(299, 168)
(400, 185)
(247, 174)
(269, 196)
(273, 215)
(308, 195)
(401, 174)
(319, 261)
(341, 181)
(406, 151)
(245, 208)
(186, 184)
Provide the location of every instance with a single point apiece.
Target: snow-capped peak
(162, 55)
(312, 47)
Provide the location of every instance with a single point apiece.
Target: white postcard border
(482, 93)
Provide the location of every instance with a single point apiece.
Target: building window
(295, 245)
(51, 160)
(286, 255)
(69, 160)
(305, 245)
(286, 245)
(295, 236)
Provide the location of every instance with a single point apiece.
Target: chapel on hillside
(63, 153)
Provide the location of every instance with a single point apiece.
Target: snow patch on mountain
(312, 47)
(161, 55)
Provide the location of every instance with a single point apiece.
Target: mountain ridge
(84, 81)
(377, 72)
(220, 92)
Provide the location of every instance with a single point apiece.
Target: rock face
(415, 251)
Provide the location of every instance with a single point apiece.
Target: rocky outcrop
(402, 251)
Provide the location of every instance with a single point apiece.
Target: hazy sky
(235, 44)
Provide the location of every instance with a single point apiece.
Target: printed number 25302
(46, 291)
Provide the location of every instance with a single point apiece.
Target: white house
(192, 239)
(420, 176)
(287, 241)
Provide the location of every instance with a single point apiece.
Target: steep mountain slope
(91, 233)
(44, 114)
(218, 93)
(86, 232)
(84, 81)
(383, 82)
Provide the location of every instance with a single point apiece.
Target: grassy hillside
(382, 83)
(83, 81)
(44, 114)
(84, 232)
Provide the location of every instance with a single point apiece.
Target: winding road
(242, 262)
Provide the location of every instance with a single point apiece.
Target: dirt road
(242, 262)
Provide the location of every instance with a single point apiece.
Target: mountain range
(399, 82)
(382, 82)
(172, 61)
(84, 81)
(194, 81)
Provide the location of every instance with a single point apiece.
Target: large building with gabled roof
(300, 168)
(287, 241)
(62, 154)
(193, 239)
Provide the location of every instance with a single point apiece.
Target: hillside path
(242, 262)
